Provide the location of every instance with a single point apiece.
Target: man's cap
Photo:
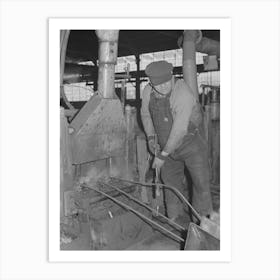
(159, 72)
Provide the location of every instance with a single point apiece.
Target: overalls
(192, 153)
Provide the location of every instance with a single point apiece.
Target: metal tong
(156, 200)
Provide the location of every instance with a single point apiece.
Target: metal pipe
(209, 46)
(204, 45)
(189, 59)
(215, 105)
(178, 193)
(107, 58)
(137, 84)
(75, 73)
(99, 198)
(138, 214)
(123, 95)
(144, 205)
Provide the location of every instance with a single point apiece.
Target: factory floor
(159, 241)
(152, 239)
(156, 242)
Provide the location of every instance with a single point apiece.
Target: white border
(55, 255)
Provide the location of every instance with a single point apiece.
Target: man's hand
(158, 163)
(153, 146)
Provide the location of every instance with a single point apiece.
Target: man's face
(164, 88)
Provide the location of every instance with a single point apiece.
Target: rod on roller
(178, 193)
(144, 205)
(138, 214)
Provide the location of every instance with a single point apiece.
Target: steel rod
(144, 205)
(138, 214)
(101, 198)
(178, 193)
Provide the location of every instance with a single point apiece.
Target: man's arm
(145, 112)
(181, 104)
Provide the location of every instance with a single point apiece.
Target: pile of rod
(112, 184)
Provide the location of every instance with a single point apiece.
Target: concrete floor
(151, 239)
(159, 241)
(156, 242)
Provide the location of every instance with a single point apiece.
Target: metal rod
(178, 193)
(144, 205)
(99, 198)
(138, 214)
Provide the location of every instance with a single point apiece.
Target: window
(78, 92)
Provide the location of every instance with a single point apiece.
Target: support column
(95, 75)
(137, 86)
(215, 136)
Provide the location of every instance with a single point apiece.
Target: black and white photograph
(140, 139)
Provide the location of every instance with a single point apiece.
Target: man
(170, 111)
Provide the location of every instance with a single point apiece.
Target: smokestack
(107, 59)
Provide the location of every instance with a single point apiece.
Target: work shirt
(184, 109)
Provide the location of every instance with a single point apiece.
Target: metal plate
(198, 239)
(100, 130)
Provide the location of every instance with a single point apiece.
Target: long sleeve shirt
(182, 102)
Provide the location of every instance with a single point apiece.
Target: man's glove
(153, 145)
(157, 163)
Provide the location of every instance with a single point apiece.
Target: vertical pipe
(138, 80)
(130, 140)
(137, 86)
(203, 98)
(215, 136)
(189, 59)
(107, 58)
(215, 151)
(215, 105)
(123, 95)
(95, 79)
(208, 130)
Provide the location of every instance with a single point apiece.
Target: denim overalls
(192, 153)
